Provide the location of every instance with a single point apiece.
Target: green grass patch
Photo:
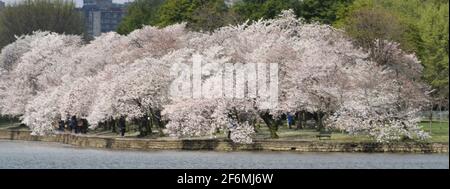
(6, 123)
(438, 130)
(285, 133)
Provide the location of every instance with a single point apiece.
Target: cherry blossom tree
(382, 103)
(11, 53)
(39, 68)
(308, 68)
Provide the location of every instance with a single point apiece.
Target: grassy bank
(439, 133)
(438, 130)
(11, 123)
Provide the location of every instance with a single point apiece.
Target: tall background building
(2, 5)
(102, 16)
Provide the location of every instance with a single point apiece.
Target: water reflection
(25, 154)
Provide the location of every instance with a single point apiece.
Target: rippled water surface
(25, 154)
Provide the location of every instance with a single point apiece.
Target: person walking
(290, 120)
(231, 126)
(74, 124)
(144, 127)
(122, 126)
(61, 125)
(67, 123)
(80, 126)
(85, 126)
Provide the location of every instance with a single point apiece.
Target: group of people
(80, 126)
(73, 125)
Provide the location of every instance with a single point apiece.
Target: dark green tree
(210, 16)
(324, 11)
(367, 25)
(205, 15)
(257, 9)
(420, 26)
(27, 16)
(433, 27)
(140, 13)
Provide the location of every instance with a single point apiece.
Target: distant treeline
(26, 16)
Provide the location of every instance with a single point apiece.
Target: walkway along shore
(225, 145)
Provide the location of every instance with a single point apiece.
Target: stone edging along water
(225, 145)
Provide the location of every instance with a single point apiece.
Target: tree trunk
(440, 115)
(273, 131)
(319, 121)
(106, 123)
(149, 127)
(431, 118)
(140, 128)
(304, 119)
(144, 128)
(300, 117)
(113, 125)
(271, 123)
(156, 119)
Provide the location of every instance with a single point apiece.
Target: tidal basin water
(37, 155)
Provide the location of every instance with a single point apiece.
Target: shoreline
(226, 145)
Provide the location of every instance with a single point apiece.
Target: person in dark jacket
(79, 126)
(144, 127)
(74, 124)
(231, 125)
(61, 125)
(67, 122)
(290, 120)
(122, 126)
(85, 126)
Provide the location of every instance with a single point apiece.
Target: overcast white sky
(78, 2)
